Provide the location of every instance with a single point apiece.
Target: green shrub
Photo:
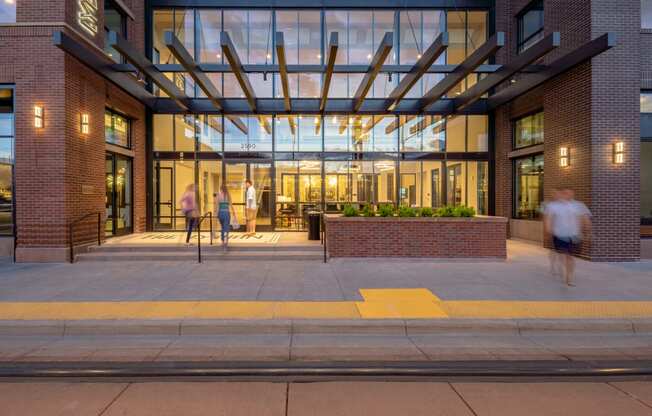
(407, 212)
(463, 211)
(426, 212)
(452, 211)
(368, 211)
(350, 211)
(445, 211)
(386, 210)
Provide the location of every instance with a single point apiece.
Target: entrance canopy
(480, 98)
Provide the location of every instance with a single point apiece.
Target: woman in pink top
(189, 209)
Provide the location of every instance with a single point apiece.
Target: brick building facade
(59, 173)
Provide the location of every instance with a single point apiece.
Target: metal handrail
(199, 221)
(71, 230)
(323, 222)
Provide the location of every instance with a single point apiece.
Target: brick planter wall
(479, 237)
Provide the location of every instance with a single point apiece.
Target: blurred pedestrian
(566, 220)
(188, 204)
(225, 214)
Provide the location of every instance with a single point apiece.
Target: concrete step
(206, 247)
(207, 255)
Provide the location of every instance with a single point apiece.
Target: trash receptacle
(314, 225)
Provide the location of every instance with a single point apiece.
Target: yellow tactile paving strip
(377, 304)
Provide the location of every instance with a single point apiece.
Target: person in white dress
(251, 208)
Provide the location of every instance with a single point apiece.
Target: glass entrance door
(118, 195)
(236, 173)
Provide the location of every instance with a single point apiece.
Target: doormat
(259, 238)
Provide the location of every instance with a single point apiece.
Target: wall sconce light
(84, 123)
(38, 116)
(619, 153)
(564, 157)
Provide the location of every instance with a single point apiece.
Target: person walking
(225, 214)
(189, 209)
(566, 220)
(251, 208)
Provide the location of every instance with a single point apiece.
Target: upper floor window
(528, 130)
(646, 114)
(646, 14)
(114, 21)
(530, 25)
(6, 160)
(646, 101)
(8, 11)
(117, 129)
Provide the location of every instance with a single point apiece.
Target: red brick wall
(60, 173)
(586, 109)
(416, 237)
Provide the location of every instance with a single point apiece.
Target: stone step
(206, 247)
(207, 255)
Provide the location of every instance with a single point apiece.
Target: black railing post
(99, 228)
(325, 239)
(199, 239)
(70, 243)
(210, 219)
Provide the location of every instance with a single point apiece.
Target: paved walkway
(521, 287)
(332, 399)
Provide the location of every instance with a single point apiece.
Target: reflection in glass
(209, 26)
(257, 139)
(163, 22)
(528, 130)
(528, 182)
(116, 129)
(6, 161)
(646, 182)
(8, 11)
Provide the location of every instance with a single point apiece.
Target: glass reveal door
(236, 173)
(118, 195)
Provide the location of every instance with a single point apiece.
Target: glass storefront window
(210, 180)
(528, 183)
(8, 11)
(258, 137)
(117, 129)
(456, 134)
(184, 133)
(209, 27)
(477, 134)
(6, 161)
(646, 182)
(528, 130)
(163, 22)
(646, 14)
(210, 133)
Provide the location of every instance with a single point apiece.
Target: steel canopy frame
(145, 66)
(561, 65)
(465, 68)
(525, 58)
(103, 66)
(379, 58)
(436, 48)
(328, 75)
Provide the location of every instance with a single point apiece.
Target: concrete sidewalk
(525, 276)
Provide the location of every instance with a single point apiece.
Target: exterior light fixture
(369, 56)
(38, 116)
(319, 56)
(619, 153)
(564, 157)
(84, 123)
(334, 119)
(418, 56)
